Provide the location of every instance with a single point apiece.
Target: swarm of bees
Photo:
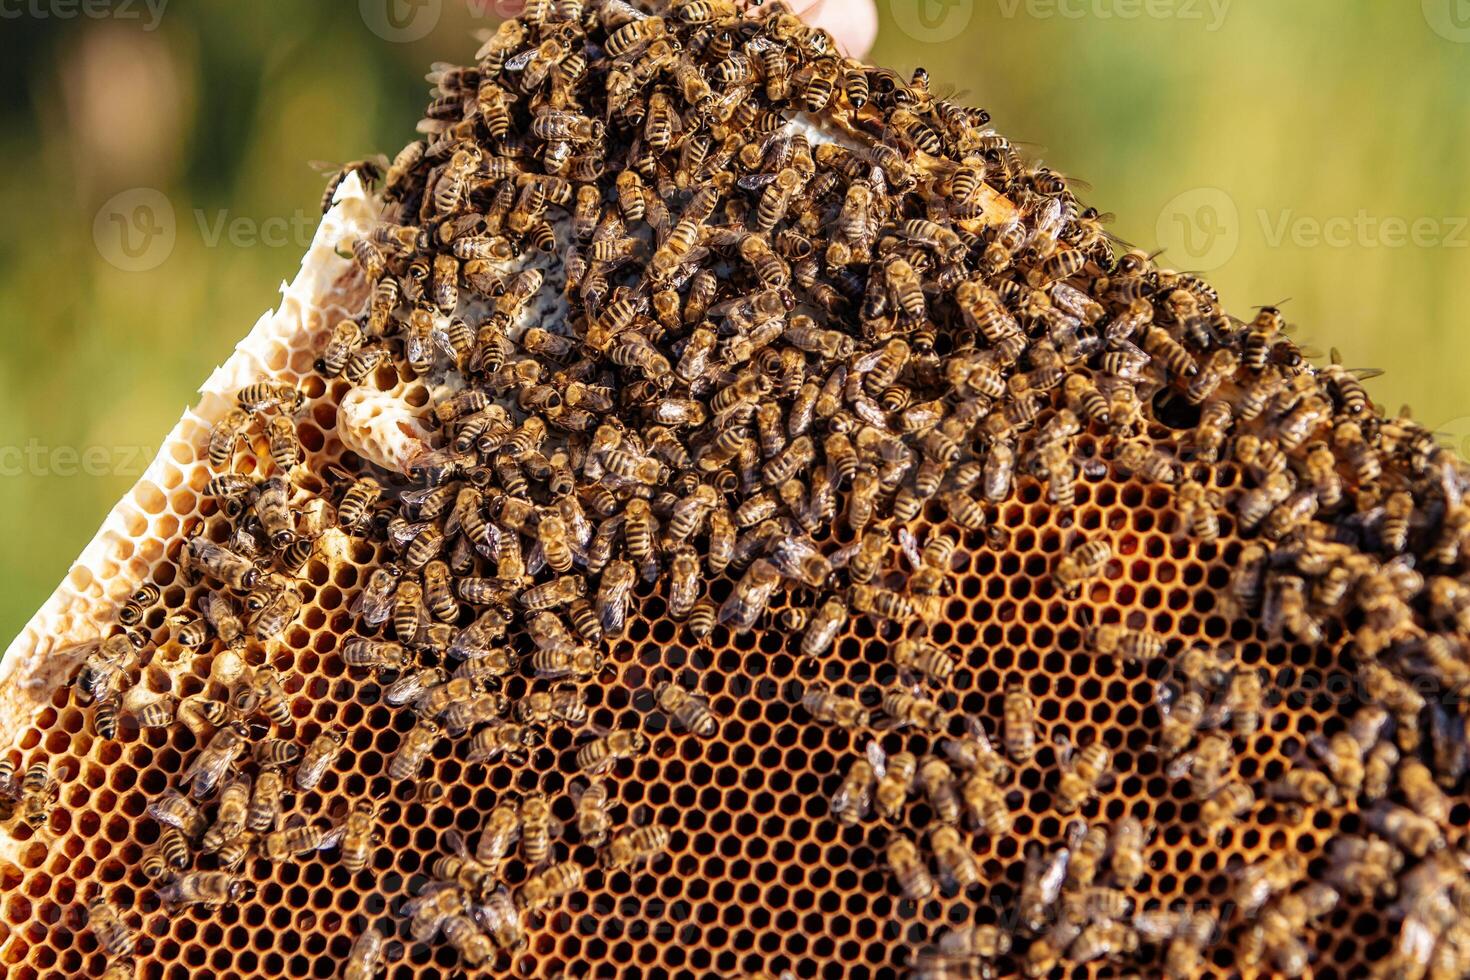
(818, 328)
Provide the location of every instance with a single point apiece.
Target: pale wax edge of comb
(101, 579)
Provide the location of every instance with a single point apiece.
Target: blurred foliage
(1298, 113)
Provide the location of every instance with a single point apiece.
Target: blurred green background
(1311, 150)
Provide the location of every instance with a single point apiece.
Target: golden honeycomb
(759, 877)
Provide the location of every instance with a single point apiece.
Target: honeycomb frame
(760, 878)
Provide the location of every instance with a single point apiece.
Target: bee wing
(877, 759)
(454, 842)
(332, 837)
(1165, 695)
(312, 768)
(204, 773)
(753, 182)
(519, 61)
(1065, 751)
(1053, 874)
(1181, 766)
(976, 728)
(1157, 925)
(910, 546)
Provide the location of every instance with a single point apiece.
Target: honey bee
(559, 591)
(375, 654)
(374, 604)
(922, 657)
(828, 708)
(229, 821)
(225, 437)
(563, 703)
(102, 672)
(1041, 885)
(937, 781)
(1020, 723)
(320, 755)
(1227, 804)
(1244, 700)
(105, 718)
(1305, 785)
(365, 958)
(412, 751)
(985, 804)
(1415, 834)
(123, 968)
(358, 837)
(1089, 846)
(962, 951)
(615, 595)
(1114, 639)
(173, 848)
(957, 863)
(1082, 776)
(1206, 764)
(173, 809)
(210, 765)
(1137, 458)
(566, 660)
(908, 867)
(220, 563)
(113, 934)
(689, 710)
(594, 820)
(212, 889)
(702, 619)
(1378, 769)
(1423, 796)
(551, 885)
(906, 708)
(607, 750)
(536, 828)
(1365, 866)
(263, 814)
(635, 847)
(1199, 511)
(1184, 955)
(750, 596)
(285, 447)
(296, 840)
(506, 739)
(1086, 561)
(138, 604)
